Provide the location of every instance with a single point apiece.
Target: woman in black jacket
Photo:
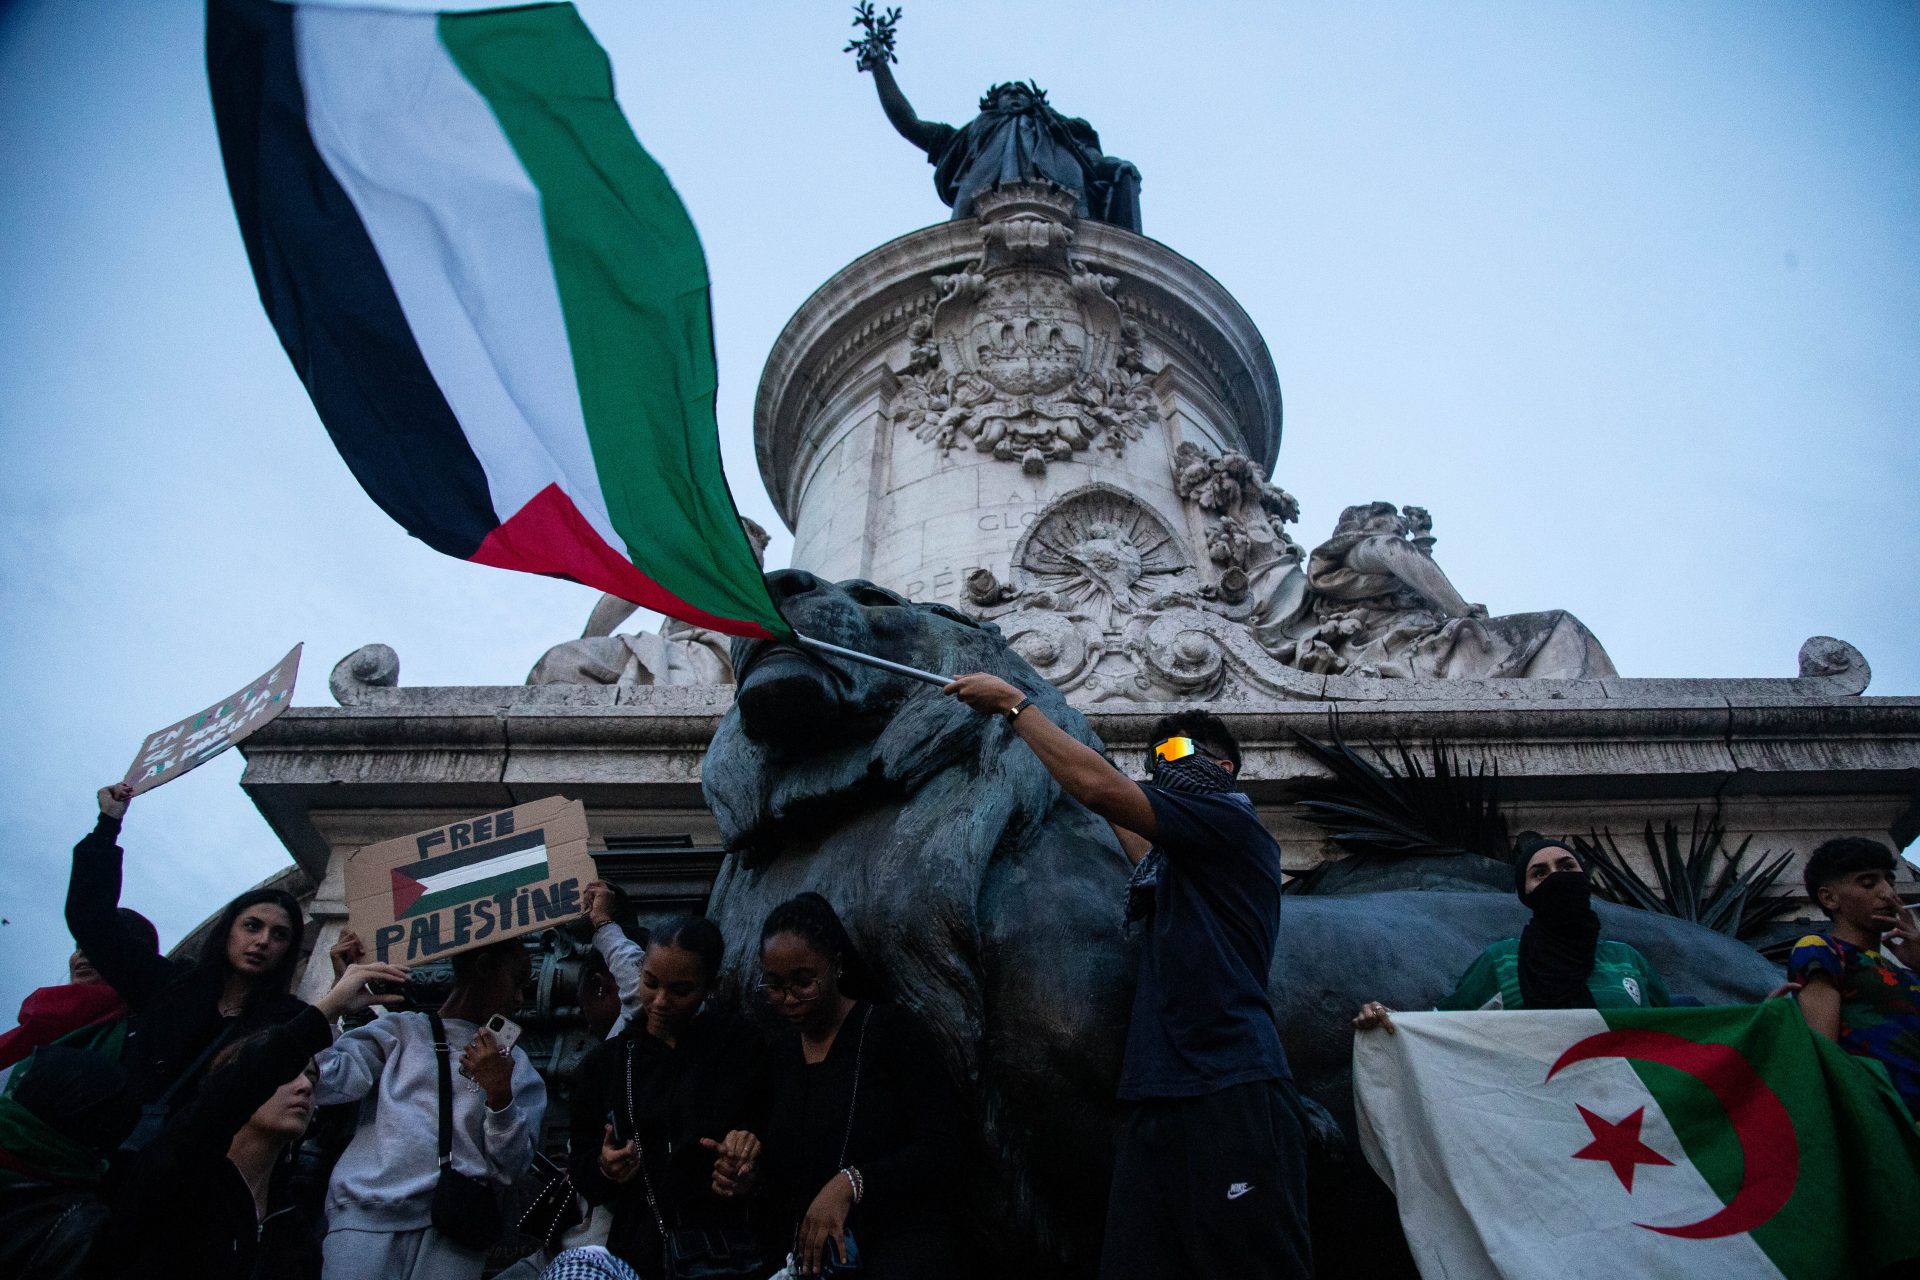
(862, 1139)
(179, 1010)
(653, 1106)
(202, 1199)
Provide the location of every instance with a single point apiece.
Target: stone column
(996, 414)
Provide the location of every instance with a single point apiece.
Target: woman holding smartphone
(654, 1106)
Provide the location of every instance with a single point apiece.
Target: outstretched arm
(1389, 555)
(93, 896)
(924, 134)
(609, 613)
(1082, 772)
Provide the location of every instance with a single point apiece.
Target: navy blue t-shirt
(1201, 1020)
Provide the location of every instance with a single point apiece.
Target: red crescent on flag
(1769, 1147)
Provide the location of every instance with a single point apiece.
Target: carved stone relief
(1026, 355)
(1246, 519)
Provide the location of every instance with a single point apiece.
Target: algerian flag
(491, 292)
(1729, 1142)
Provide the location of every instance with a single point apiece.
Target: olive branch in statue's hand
(875, 48)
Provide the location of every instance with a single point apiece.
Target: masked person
(1210, 1173)
(181, 1012)
(1559, 961)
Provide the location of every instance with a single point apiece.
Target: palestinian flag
(491, 292)
(466, 875)
(1727, 1142)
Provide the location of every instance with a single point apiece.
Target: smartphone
(620, 1136)
(505, 1031)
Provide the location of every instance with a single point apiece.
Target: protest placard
(467, 884)
(172, 751)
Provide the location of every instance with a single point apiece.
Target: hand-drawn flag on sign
(470, 883)
(494, 297)
(478, 871)
(1725, 1142)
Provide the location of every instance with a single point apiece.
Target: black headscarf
(1557, 946)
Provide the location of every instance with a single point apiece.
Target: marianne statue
(1017, 137)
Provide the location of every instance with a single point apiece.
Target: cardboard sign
(192, 742)
(436, 893)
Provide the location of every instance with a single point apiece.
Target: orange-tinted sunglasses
(1170, 749)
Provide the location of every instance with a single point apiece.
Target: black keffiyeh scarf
(1557, 946)
(1192, 776)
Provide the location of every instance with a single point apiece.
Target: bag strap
(859, 1051)
(640, 1154)
(443, 1053)
(853, 1103)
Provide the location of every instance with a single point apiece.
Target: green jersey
(1621, 979)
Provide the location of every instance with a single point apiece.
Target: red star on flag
(1618, 1144)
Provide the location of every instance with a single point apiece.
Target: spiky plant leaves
(1369, 804)
(1704, 884)
(1382, 813)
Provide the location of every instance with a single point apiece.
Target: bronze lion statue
(992, 904)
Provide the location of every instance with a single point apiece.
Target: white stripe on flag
(484, 870)
(457, 223)
(1456, 1114)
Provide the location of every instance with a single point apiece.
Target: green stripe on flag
(474, 890)
(1852, 1207)
(633, 287)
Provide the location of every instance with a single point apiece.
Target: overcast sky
(1627, 294)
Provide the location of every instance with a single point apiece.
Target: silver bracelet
(856, 1181)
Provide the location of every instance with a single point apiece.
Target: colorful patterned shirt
(1879, 1005)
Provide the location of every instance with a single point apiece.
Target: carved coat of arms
(1026, 355)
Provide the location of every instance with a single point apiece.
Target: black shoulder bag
(689, 1253)
(465, 1210)
(554, 1209)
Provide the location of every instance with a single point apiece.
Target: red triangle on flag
(406, 892)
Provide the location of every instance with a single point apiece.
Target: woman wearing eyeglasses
(862, 1146)
(653, 1107)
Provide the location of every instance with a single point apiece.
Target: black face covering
(1557, 946)
(1194, 775)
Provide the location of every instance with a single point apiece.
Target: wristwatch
(1013, 712)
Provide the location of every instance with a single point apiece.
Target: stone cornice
(473, 748)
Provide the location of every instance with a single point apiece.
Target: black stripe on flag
(327, 294)
(473, 853)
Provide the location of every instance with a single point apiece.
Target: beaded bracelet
(856, 1181)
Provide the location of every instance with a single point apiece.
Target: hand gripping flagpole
(867, 659)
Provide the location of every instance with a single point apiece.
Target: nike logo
(1238, 1189)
